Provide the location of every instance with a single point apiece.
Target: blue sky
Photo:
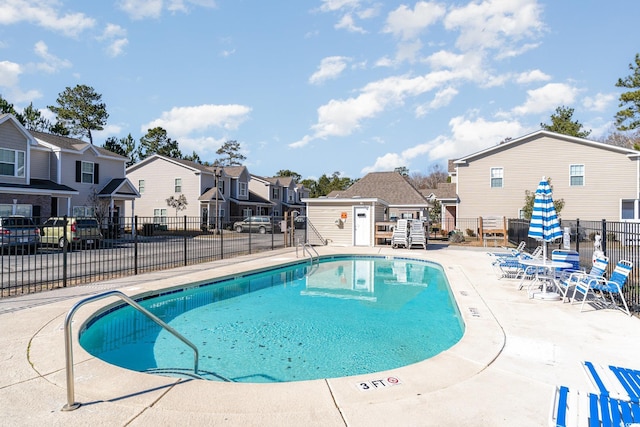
(323, 86)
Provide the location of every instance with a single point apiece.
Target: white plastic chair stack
(417, 236)
(400, 236)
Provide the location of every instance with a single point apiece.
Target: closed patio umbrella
(544, 225)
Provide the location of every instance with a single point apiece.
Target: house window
(275, 193)
(246, 212)
(242, 189)
(11, 163)
(83, 211)
(629, 210)
(19, 209)
(160, 216)
(497, 175)
(87, 172)
(290, 195)
(178, 185)
(141, 186)
(576, 173)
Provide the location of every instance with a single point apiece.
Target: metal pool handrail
(71, 404)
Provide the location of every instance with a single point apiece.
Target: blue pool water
(346, 316)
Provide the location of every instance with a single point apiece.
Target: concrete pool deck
(514, 352)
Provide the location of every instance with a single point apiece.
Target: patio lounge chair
(510, 266)
(417, 236)
(617, 382)
(400, 236)
(580, 280)
(575, 408)
(510, 251)
(613, 286)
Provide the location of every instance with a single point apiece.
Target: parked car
(19, 232)
(252, 224)
(300, 222)
(81, 232)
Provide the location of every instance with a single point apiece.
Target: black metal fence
(619, 241)
(134, 246)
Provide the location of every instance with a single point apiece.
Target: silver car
(19, 232)
(253, 224)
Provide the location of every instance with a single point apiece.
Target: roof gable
(391, 187)
(10, 118)
(532, 137)
(72, 145)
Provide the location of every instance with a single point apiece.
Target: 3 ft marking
(378, 384)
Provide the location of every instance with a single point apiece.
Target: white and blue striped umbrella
(544, 225)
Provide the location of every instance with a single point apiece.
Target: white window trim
(491, 177)
(177, 185)
(636, 210)
(243, 189)
(584, 175)
(83, 173)
(18, 170)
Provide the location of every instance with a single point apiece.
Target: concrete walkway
(502, 373)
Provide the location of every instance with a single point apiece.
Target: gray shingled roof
(71, 144)
(391, 187)
(445, 190)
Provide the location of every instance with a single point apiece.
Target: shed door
(362, 226)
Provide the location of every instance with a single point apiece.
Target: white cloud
(342, 117)
(495, 24)
(333, 5)
(442, 99)
(116, 47)
(408, 24)
(600, 102)
(51, 63)
(347, 23)
(142, 9)
(183, 121)
(547, 98)
(467, 137)
(329, 68)
(532, 76)
(9, 73)
(44, 13)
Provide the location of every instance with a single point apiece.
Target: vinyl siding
(608, 177)
(323, 216)
(159, 176)
(40, 164)
(108, 169)
(11, 138)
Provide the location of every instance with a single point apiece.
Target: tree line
(79, 111)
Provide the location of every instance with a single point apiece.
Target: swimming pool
(345, 316)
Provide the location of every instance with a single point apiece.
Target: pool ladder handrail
(71, 404)
(307, 248)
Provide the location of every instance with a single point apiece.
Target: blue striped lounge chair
(614, 285)
(571, 408)
(510, 266)
(580, 280)
(615, 381)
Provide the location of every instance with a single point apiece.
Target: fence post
(135, 245)
(185, 240)
(577, 234)
(604, 236)
(221, 245)
(65, 245)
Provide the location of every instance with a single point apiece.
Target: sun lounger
(574, 408)
(617, 382)
(417, 236)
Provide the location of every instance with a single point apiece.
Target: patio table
(545, 294)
